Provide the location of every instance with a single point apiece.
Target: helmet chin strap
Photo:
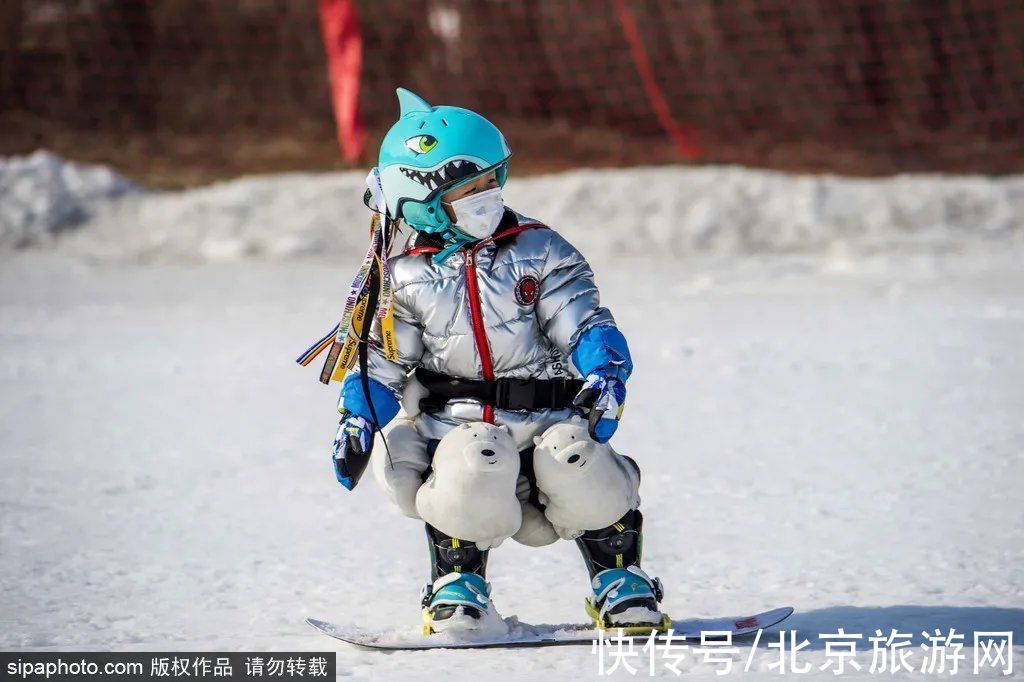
(457, 238)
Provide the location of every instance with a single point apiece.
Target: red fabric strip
(682, 139)
(343, 44)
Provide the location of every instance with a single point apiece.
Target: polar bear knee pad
(584, 484)
(399, 468)
(471, 493)
(536, 530)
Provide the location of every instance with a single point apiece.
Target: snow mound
(668, 211)
(273, 216)
(42, 195)
(727, 210)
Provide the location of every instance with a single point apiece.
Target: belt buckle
(515, 394)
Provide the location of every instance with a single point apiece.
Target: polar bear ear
(504, 427)
(536, 440)
(576, 419)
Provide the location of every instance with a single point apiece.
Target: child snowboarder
(496, 319)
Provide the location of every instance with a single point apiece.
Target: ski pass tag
(346, 333)
(376, 202)
(385, 311)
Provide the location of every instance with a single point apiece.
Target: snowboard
(526, 635)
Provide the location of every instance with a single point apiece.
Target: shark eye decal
(421, 144)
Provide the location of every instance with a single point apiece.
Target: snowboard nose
(487, 453)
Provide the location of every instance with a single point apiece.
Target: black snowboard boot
(458, 592)
(622, 595)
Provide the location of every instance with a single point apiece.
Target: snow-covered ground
(840, 429)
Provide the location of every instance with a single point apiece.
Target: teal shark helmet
(431, 150)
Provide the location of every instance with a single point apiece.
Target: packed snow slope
(839, 430)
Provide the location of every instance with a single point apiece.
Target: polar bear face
(478, 447)
(566, 449)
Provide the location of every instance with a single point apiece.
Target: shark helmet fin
(409, 102)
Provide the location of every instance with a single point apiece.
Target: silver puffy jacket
(511, 306)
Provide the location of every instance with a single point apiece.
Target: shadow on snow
(905, 619)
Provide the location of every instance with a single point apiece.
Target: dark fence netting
(180, 91)
(177, 91)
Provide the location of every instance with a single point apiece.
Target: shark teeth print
(452, 170)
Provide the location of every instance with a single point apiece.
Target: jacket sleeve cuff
(355, 401)
(603, 350)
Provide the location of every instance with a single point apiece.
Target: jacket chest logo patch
(527, 290)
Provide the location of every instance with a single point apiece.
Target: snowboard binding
(626, 599)
(453, 601)
(623, 596)
(458, 593)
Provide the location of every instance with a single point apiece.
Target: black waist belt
(504, 394)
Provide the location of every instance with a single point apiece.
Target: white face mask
(478, 214)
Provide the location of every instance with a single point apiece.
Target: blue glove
(602, 356)
(352, 447)
(354, 441)
(602, 400)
